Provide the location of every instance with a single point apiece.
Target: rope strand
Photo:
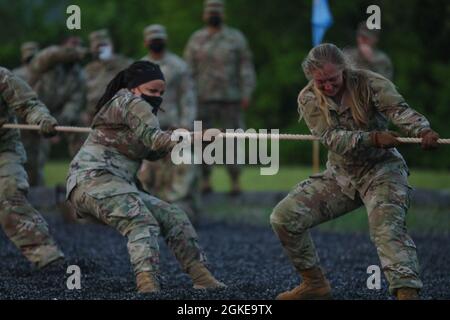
(281, 136)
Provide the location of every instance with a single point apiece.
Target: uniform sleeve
(51, 56)
(22, 99)
(140, 119)
(76, 104)
(391, 104)
(187, 99)
(340, 141)
(247, 70)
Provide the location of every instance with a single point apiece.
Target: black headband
(142, 72)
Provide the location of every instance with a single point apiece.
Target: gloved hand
(384, 139)
(429, 139)
(48, 127)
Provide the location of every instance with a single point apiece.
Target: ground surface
(248, 258)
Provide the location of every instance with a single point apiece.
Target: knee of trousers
(387, 222)
(291, 216)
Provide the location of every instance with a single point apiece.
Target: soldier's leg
(206, 114)
(177, 231)
(232, 118)
(23, 225)
(128, 214)
(313, 201)
(387, 202)
(182, 239)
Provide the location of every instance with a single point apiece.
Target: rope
(281, 136)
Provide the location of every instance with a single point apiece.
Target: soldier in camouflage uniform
(221, 64)
(102, 178)
(57, 78)
(349, 110)
(99, 72)
(31, 141)
(367, 56)
(20, 221)
(172, 183)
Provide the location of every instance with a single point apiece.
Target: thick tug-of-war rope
(281, 136)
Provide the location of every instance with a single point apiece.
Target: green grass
(285, 179)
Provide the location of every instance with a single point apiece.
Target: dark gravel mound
(248, 258)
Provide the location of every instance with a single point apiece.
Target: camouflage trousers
(222, 115)
(319, 199)
(176, 184)
(23, 225)
(141, 218)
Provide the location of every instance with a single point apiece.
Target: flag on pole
(321, 20)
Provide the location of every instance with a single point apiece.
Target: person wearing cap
(104, 66)
(102, 179)
(224, 74)
(56, 76)
(366, 55)
(172, 183)
(22, 224)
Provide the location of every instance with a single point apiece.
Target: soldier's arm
(338, 140)
(139, 118)
(22, 99)
(247, 70)
(391, 103)
(385, 67)
(187, 99)
(73, 108)
(49, 57)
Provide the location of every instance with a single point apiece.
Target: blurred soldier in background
(172, 183)
(23, 225)
(27, 51)
(366, 55)
(57, 78)
(31, 141)
(101, 70)
(222, 67)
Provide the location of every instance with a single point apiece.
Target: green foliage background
(415, 34)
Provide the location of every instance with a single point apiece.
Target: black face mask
(215, 21)
(157, 46)
(154, 101)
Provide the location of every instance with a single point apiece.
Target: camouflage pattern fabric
(102, 182)
(357, 174)
(22, 223)
(380, 62)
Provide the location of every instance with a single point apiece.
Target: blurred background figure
(27, 52)
(56, 76)
(223, 70)
(366, 55)
(172, 183)
(104, 66)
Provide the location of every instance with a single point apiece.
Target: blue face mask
(154, 101)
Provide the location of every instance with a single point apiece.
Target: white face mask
(105, 52)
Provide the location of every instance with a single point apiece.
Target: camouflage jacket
(221, 65)
(180, 101)
(352, 161)
(17, 98)
(98, 74)
(381, 63)
(125, 131)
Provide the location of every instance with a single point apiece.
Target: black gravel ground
(247, 258)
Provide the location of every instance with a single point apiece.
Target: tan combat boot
(314, 287)
(147, 283)
(203, 279)
(407, 294)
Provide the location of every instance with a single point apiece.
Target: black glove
(429, 139)
(48, 127)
